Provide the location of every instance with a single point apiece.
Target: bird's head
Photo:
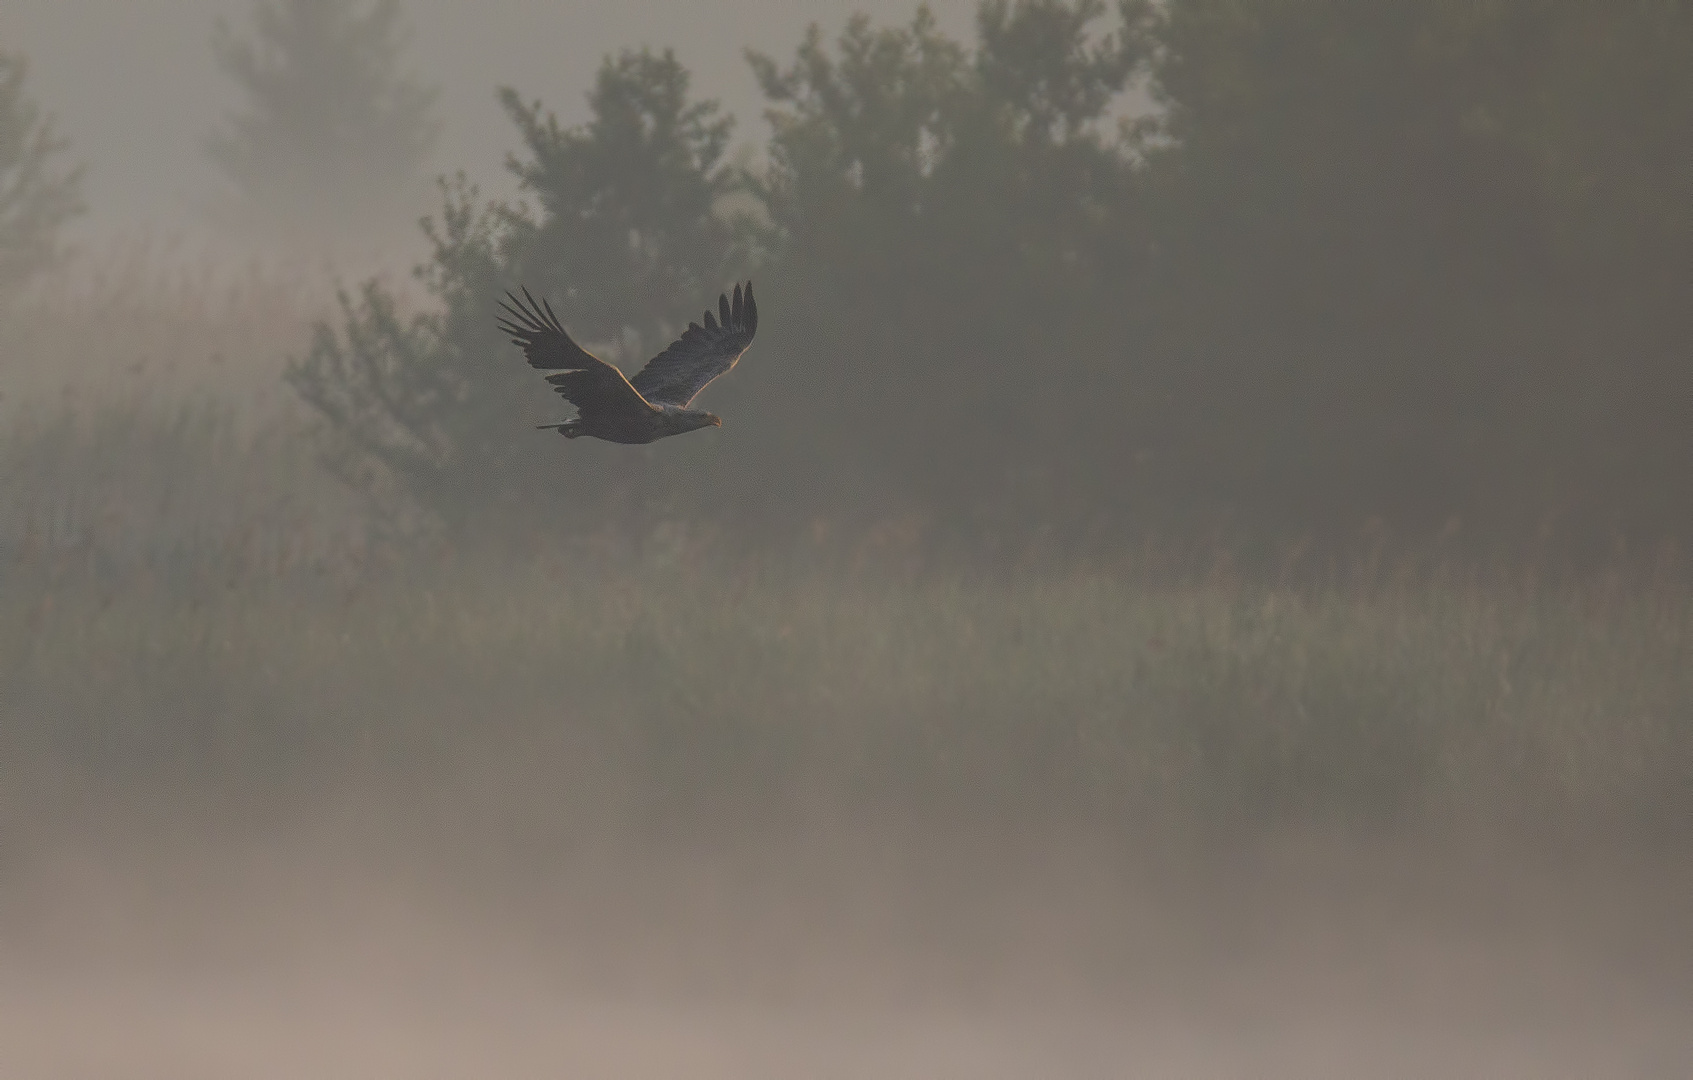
(681, 420)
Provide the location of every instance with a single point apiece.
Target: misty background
(147, 143)
(1192, 579)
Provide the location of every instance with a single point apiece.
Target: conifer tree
(620, 228)
(35, 197)
(333, 130)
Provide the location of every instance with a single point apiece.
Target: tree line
(1102, 271)
(331, 134)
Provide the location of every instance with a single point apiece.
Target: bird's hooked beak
(716, 421)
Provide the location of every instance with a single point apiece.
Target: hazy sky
(133, 84)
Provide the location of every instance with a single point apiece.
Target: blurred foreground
(357, 944)
(676, 810)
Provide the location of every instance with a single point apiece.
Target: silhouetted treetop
(628, 232)
(333, 129)
(1281, 268)
(626, 239)
(1040, 60)
(36, 196)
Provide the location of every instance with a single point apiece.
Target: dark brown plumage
(655, 402)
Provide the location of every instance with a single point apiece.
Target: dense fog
(1191, 579)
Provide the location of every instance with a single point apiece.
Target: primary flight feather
(655, 403)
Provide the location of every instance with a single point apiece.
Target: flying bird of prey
(655, 402)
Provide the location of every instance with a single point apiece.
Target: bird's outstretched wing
(586, 381)
(676, 375)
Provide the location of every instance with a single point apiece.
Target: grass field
(682, 802)
(1045, 694)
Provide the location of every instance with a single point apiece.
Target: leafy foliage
(35, 197)
(628, 229)
(433, 406)
(1276, 269)
(950, 221)
(333, 131)
(1371, 262)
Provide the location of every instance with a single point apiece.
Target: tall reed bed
(761, 679)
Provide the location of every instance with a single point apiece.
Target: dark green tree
(36, 196)
(631, 224)
(949, 221)
(333, 130)
(1414, 260)
(1404, 260)
(626, 236)
(933, 219)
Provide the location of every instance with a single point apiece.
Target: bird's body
(652, 405)
(638, 428)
